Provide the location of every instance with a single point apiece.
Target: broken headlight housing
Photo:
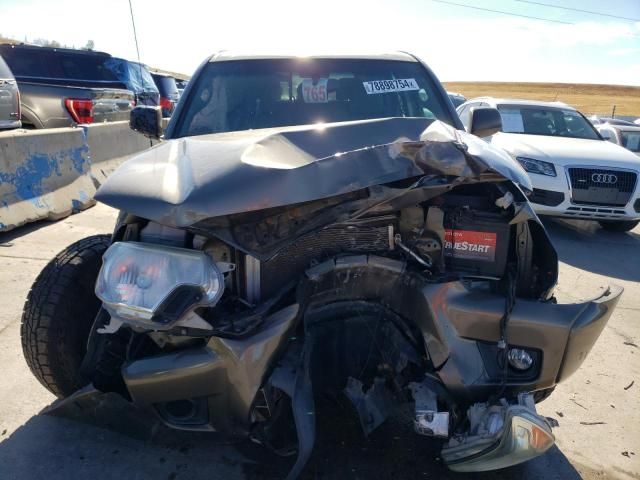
(499, 436)
(155, 284)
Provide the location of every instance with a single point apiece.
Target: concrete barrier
(110, 144)
(49, 174)
(43, 174)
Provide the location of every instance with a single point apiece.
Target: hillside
(179, 76)
(589, 99)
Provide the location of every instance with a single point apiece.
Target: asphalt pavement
(598, 408)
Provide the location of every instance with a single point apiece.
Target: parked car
(318, 227)
(623, 135)
(594, 119)
(137, 78)
(181, 84)
(61, 87)
(9, 99)
(456, 98)
(169, 94)
(575, 173)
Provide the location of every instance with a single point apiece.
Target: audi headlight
(532, 165)
(153, 283)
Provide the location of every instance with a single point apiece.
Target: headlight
(154, 283)
(537, 166)
(525, 436)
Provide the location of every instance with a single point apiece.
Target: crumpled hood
(182, 181)
(565, 151)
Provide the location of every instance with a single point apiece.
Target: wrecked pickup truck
(318, 226)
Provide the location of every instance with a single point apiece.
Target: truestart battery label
(470, 244)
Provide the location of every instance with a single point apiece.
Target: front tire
(58, 315)
(619, 225)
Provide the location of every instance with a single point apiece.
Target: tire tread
(56, 315)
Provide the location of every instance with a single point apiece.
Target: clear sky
(458, 43)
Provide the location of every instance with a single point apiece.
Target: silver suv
(9, 99)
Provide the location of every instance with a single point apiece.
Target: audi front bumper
(554, 196)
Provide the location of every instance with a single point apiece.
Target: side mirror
(485, 121)
(146, 120)
(607, 136)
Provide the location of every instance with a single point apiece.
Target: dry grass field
(589, 99)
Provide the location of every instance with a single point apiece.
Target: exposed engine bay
(432, 293)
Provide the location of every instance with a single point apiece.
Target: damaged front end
(343, 261)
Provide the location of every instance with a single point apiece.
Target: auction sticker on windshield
(395, 85)
(315, 92)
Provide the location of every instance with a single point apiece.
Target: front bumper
(586, 329)
(457, 322)
(563, 333)
(555, 198)
(567, 209)
(215, 386)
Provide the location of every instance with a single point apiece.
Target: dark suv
(60, 87)
(169, 94)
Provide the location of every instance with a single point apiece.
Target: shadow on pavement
(11, 235)
(116, 441)
(27, 228)
(585, 245)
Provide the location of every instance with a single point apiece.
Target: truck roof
(226, 55)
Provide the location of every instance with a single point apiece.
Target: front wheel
(619, 225)
(58, 315)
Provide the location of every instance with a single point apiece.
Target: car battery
(476, 242)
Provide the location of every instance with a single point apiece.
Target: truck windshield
(248, 94)
(549, 121)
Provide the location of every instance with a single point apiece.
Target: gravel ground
(599, 414)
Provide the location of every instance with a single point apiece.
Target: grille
(615, 190)
(295, 258)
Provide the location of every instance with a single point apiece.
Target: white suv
(574, 171)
